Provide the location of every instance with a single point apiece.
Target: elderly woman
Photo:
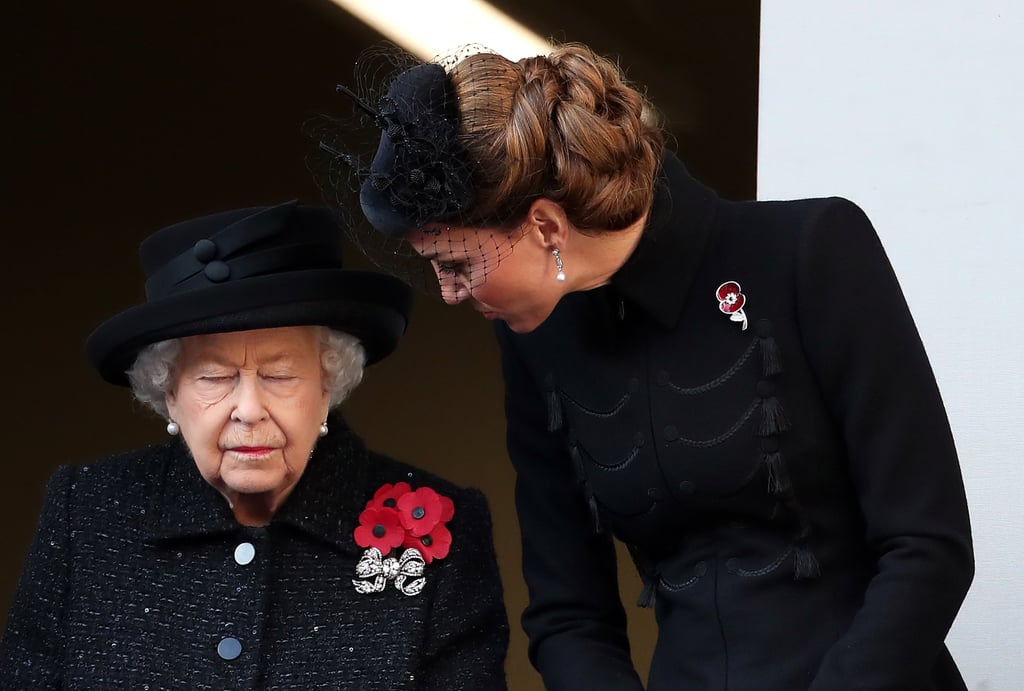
(263, 546)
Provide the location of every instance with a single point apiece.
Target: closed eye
(449, 268)
(215, 379)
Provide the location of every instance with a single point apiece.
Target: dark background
(121, 117)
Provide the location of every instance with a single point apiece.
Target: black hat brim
(372, 307)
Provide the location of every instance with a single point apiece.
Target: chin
(254, 485)
(523, 325)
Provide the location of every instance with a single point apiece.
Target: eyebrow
(448, 257)
(218, 359)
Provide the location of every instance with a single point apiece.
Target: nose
(453, 289)
(453, 295)
(250, 408)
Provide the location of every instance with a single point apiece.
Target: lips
(252, 450)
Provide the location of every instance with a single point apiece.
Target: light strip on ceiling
(428, 28)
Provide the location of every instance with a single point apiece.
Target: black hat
(248, 269)
(419, 171)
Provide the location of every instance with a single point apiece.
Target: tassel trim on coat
(771, 360)
(778, 476)
(773, 417)
(554, 405)
(805, 564)
(649, 575)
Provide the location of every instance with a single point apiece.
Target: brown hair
(566, 127)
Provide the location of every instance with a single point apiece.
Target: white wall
(915, 110)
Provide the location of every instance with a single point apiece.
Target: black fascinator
(418, 173)
(396, 154)
(397, 157)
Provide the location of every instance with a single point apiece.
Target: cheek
(300, 417)
(206, 454)
(498, 286)
(511, 290)
(202, 428)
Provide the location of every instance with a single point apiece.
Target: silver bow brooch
(406, 571)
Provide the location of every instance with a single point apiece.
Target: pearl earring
(323, 429)
(172, 428)
(560, 276)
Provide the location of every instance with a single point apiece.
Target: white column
(915, 110)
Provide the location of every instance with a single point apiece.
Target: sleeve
(574, 620)
(32, 648)
(871, 367)
(466, 646)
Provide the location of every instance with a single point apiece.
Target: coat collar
(325, 503)
(658, 275)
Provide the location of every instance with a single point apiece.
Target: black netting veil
(390, 163)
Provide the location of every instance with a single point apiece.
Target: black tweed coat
(132, 583)
(789, 489)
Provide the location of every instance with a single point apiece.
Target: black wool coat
(788, 485)
(132, 583)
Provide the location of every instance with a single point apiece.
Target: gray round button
(245, 553)
(229, 648)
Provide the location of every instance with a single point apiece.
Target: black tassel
(773, 417)
(649, 574)
(778, 476)
(554, 411)
(805, 563)
(577, 463)
(771, 360)
(592, 503)
(650, 590)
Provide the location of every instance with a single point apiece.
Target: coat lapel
(678, 226)
(332, 492)
(185, 505)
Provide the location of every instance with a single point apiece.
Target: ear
(172, 404)
(549, 220)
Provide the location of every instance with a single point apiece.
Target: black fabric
(247, 267)
(790, 491)
(131, 583)
(251, 228)
(372, 306)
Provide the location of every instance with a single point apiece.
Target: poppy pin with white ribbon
(731, 301)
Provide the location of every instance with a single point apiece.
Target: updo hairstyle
(565, 127)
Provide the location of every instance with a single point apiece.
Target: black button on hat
(217, 271)
(204, 250)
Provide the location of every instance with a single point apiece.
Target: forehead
(442, 241)
(287, 342)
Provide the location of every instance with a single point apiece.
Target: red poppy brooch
(731, 301)
(403, 530)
